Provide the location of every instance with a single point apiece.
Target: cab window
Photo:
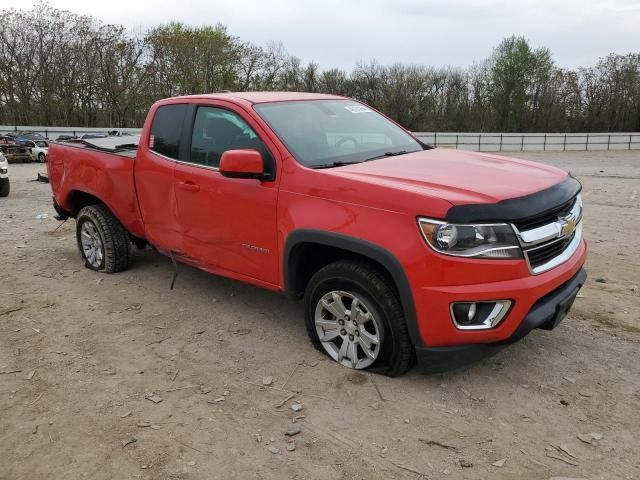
(166, 130)
(216, 130)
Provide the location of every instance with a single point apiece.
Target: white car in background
(4, 176)
(39, 149)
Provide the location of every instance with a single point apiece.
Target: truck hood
(457, 176)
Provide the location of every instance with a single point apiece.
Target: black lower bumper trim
(451, 359)
(544, 314)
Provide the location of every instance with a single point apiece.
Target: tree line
(58, 68)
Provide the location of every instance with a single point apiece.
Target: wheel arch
(326, 247)
(78, 199)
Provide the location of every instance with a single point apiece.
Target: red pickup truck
(401, 251)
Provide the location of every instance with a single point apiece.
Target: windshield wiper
(387, 154)
(342, 164)
(332, 164)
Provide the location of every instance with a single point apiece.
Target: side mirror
(242, 164)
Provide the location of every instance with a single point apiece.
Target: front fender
(364, 248)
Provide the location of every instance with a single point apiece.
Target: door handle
(192, 187)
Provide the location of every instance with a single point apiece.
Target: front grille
(540, 255)
(544, 218)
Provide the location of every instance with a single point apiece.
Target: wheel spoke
(366, 348)
(359, 316)
(327, 324)
(342, 353)
(354, 312)
(352, 352)
(331, 308)
(369, 338)
(337, 300)
(330, 329)
(330, 335)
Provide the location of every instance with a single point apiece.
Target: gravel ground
(92, 352)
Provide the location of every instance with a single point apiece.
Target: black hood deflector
(517, 209)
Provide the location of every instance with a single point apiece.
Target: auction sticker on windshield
(357, 109)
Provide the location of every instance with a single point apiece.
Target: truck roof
(266, 97)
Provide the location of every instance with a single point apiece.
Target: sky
(339, 33)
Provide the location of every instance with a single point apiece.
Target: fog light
(472, 312)
(479, 315)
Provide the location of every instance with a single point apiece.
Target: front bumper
(438, 282)
(545, 313)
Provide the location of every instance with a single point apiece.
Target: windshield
(325, 133)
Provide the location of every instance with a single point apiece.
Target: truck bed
(125, 146)
(102, 168)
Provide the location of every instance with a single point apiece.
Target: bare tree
(60, 68)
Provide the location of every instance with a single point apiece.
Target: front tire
(102, 240)
(5, 187)
(354, 315)
(42, 157)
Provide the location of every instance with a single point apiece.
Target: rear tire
(42, 157)
(102, 240)
(5, 187)
(374, 331)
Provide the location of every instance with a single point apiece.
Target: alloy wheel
(91, 244)
(348, 329)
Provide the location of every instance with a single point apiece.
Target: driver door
(228, 225)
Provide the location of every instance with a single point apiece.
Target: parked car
(91, 136)
(39, 149)
(400, 251)
(5, 186)
(119, 133)
(66, 138)
(14, 153)
(27, 135)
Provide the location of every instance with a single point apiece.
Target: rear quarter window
(166, 130)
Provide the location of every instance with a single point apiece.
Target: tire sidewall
(359, 288)
(84, 217)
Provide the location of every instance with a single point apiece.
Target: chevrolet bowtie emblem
(569, 224)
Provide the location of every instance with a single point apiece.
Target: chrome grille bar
(567, 228)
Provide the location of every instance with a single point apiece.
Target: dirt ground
(88, 349)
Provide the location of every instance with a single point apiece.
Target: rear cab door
(154, 176)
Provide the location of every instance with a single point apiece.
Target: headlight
(496, 240)
(3, 170)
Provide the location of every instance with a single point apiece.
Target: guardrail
(482, 142)
(512, 142)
